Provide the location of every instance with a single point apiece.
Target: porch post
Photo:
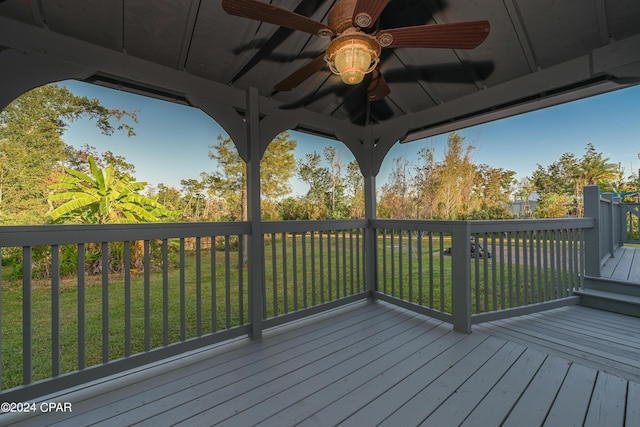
(592, 235)
(256, 258)
(461, 277)
(370, 235)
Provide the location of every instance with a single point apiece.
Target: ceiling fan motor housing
(340, 17)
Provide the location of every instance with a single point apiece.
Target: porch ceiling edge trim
(39, 42)
(533, 90)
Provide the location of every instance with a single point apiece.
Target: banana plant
(99, 197)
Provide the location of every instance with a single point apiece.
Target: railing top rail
(531, 224)
(311, 225)
(485, 226)
(36, 235)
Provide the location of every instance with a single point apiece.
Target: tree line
(43, 179)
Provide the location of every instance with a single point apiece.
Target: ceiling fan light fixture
(352, 57)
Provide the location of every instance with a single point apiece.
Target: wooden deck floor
(623, 266)
(371, 363)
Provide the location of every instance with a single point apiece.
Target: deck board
(624, 265)
(370, 363)
(610, 342)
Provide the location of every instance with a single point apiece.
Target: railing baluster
(525, 267)
(294, 264)
(329, 272)
(393, 264)
(285, 293)
(420, 272)
(27, 349)
(361, 284)
(321, 245)
(198, 287)
(545, 266)
(494, 273)
(313, 269)
(410, 296)
(564, 260)
(517, 268)
(337, 252)
(127, 298)
(532, 277)
(384, 260)
(502, 287)
(352, 266)
(305, 300)
(476, 259)
(552, 263)
(214, 280)
(165, 287)
(431, 271)
(274, 274)
(485, 264)
(344, 263)
(400, 266)
(227, 287)
(442, 275)
(147, 296)
(55, 310)
(80, 271)
(105, 302)
(183, 300)
(240, 279)
(541, 294)
(510, 268)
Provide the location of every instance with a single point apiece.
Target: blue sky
(172, 140)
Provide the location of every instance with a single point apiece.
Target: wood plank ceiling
(534, 50)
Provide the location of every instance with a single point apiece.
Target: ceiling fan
(355, 47)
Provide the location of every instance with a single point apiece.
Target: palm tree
(102, 198)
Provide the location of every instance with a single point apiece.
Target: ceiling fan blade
(301, 74)
(378, 87)
(367, 12)
(460, 35)
(260, 11)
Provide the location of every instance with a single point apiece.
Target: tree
(355, 189)
(558, 177)
(194, 191)
(102, 198)
(32, 149)
(328, 187)
(78, 159)
(317, 177)
(569, 175)
(493, 189)
(456, 176)
(553, 205)
(229, 180)
(396, 199)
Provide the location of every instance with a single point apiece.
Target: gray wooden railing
(467, 272)
(630, 218)
(616, 224)
(140, 293)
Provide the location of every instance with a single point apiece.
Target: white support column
(256, 257)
